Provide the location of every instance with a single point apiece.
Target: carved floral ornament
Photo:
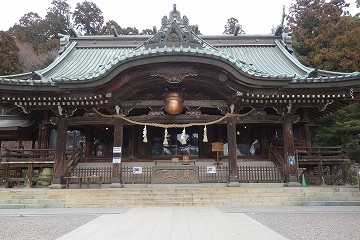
(174, 74)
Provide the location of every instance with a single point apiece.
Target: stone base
(57, 186)
(233, 184)
(292, 184)
(116, 185)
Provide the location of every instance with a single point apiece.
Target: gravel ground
(298, 223)
(309, 226)
(41, 227)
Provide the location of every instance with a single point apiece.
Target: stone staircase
(248, 195)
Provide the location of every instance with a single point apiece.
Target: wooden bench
(86, 179)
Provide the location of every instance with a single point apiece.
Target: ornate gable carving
(174, 74)
(174, 32)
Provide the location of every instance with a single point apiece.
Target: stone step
(219, 196)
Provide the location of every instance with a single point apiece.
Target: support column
(132, 142)
(307, 132)
(289, 153)
(60, 155)
(43, 137)
(233, 168)
(321, 173)
(89, 142)
(116, 180)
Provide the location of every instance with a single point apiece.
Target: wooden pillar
(307, 131)
(289, 151)
(264, 142)
(231, 135)
(131, 150)
(321, 173)
(60, 155)
(116, 180)
(307, 134)
(43, 137)
(89, 141)
(6, 175)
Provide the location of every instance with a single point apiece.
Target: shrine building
(173, 107)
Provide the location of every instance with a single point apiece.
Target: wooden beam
(187, 103)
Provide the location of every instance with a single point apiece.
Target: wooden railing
(221, 175)
(104, 172)
(246, 174)
(308, 154)
(276, 155)
(257, 174)
(28, 155)
(323, 165)
(15, 160)
(73, 158)
(130, 177)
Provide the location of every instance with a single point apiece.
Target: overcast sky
(255, 16)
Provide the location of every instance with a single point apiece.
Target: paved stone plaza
(181, 223)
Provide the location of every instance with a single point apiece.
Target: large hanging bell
(174, 102)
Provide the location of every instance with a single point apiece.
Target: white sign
(116, 149)
(137, 170)
(116, 159)
(210, 169)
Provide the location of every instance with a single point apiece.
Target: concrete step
(172, 196)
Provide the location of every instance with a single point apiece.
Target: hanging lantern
(205, 139)
(174, 102)
(145, 135)
(165, 143)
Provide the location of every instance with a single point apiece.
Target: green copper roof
(89, 58)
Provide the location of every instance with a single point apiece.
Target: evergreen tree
(9, 55)
(341, 128)
(319, 29)
(106, 29)
(89, 16)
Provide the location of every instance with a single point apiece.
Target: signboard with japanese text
(211, 169)
(137, 170)
(116, 159)
(116, 149)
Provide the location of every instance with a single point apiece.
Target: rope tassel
(145, 135)
(165, 143)
(205, 139)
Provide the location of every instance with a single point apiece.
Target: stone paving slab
(172, 223)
